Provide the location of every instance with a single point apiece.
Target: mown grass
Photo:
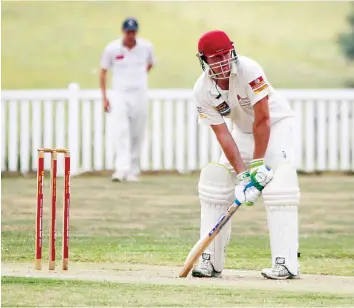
(50, 44)
(30, 292)
(157, 222)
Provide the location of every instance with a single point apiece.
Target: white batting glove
(244, 192)
(261, 175)
(251, 185)
(247, 193)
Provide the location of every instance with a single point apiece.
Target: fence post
(310, 136)
(333, 136)
(352, 133)
(157, 133)
(344, 136)
(73, 127)
(321, 149)
(13, 136)
(192, 136)
(168, 137)
(4, 131)
(25, 130)
(299, 117)
(180, 136)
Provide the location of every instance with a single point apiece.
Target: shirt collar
(121, 43)
(212, 87)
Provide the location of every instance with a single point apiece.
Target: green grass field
(29, 292)
(50, 44)
(128, 241)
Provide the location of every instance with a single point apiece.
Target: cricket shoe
(278, 272)
(117, 177)
(205, 270)
(132, 178)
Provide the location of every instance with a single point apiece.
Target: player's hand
(244, 191)
(252, 184)
(106, 105)
(261, 175)
(247, 193)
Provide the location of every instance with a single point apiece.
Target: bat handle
(237, 202)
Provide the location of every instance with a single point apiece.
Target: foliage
(346, 40)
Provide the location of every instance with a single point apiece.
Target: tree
(346, 40)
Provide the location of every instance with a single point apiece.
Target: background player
(130, 59)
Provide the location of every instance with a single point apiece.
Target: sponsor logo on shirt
(244, 101)
(119, 57)
(224, 109)
(201, 112)
(258, 85)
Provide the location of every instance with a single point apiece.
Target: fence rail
(73, 118)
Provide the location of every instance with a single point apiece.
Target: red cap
(214, 42)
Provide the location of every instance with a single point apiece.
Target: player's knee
(284, 188)
(216, 184)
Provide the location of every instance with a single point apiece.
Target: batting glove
(252, 184)
(261, 175)
(245, 191)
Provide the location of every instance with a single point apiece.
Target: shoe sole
(280, 278)
(199, 275)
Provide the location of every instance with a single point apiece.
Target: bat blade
(205, 241)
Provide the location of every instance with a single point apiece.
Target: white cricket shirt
(247, 85)
(129, 66)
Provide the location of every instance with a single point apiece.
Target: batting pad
(281, 199)
(216, 193)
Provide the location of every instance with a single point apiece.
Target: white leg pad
(281, 199)
(216, 192)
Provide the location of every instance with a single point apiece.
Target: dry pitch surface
(150, 274)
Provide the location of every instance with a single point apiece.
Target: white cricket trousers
(280, 146)
(129, 118)
(281, 197)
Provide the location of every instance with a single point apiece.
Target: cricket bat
(204, 242)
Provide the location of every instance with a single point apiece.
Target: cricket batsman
(258, 151)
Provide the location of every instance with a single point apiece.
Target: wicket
(66, 205)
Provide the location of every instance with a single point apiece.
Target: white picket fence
(74, 118)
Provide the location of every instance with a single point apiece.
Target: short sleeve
(151, 56)
(256, 83)
(206, 113)
(106, 58)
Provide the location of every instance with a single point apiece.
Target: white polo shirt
(247, 85)
(129, 66)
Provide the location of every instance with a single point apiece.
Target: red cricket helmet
(211, 44)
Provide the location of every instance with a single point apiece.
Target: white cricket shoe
(117, 177)
(132, 178)
(278, 272)
(205, 270)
